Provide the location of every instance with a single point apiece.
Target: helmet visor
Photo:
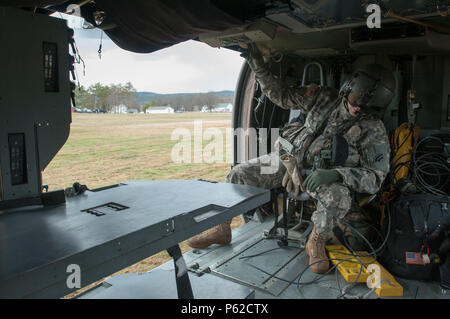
(354, 102)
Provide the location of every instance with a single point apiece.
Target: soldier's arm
(287, 97)
(374, 161)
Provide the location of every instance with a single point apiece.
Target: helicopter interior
(306, 42)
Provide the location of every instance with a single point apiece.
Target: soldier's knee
(239, 174)
(232, 176)
(336, 198)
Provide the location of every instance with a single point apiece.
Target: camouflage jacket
(367, 163)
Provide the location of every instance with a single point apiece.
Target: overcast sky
(188, 67)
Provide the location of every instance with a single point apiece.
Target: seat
(294, 114)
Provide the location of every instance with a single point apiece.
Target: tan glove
(292, 180)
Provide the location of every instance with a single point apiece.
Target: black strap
(184, 288)
(274, 200)
(284, 240)
(418, 218)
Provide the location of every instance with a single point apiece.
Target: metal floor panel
(243, 237)
(276, 265)
(160, 284)
(325, 288)
(249, 235)
(37, 244)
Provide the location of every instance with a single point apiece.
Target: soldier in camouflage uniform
(359, 164)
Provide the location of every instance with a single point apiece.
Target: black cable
(379, 249)
(265, 252)
(422, 163)
(350, 259)
(361, 235)
(354, 255)
(317, 278)
(271, 118)
(320, 276)
(260, 101)
(264, 112)
(374, 251)
(374, 228)
(301, 212)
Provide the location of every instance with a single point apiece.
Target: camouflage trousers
(333, 202)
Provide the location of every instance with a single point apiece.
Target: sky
(188, 67)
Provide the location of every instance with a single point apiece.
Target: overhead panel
(257, 32)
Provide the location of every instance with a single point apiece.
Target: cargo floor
(251, 267)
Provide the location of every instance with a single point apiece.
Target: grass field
(105, 149)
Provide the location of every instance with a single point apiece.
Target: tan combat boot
(220, 234)
(315, 249)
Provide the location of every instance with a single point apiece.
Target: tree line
(188, 102)
(105, 97)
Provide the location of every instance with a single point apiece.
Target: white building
(159, 110)
(119, 109)
(223, 108)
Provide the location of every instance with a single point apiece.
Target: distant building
(223, 108)
(159, 110)
(119, 109)
(133, 111)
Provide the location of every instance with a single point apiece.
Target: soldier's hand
(292, 180)
(321, 177)
(254, 57)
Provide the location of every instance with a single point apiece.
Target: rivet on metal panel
(195, 266)
(170, 226)
(207, 270)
